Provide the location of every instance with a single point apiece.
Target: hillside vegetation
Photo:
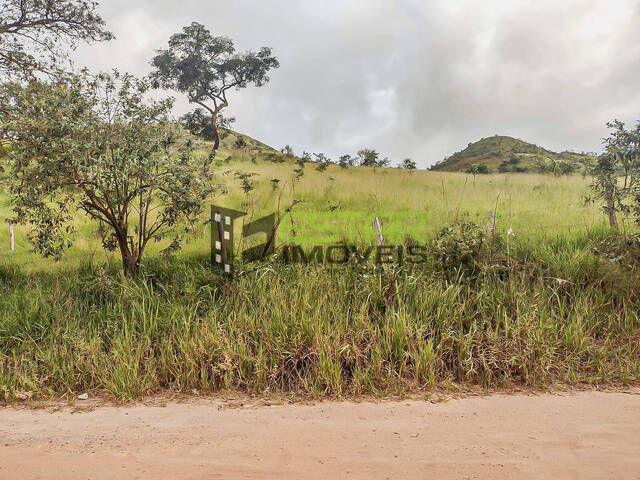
(508, 154)
(338, 204)
(526, 303)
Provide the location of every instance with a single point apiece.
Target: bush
(623, 250)
(240, 143)
(458, 246)
(477, 168)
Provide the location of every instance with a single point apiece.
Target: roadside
(570, 435)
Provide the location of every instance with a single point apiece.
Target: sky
(409, 78)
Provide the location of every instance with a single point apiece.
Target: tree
(300, 164)
(408, 164)
(33, 33)
(92, 144)
(322, 161)
(385, 162)
(616, 176)
(205, 68)
(368, 157)
(346, 161)
(478, 168)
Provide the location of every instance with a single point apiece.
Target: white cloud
(409, 77)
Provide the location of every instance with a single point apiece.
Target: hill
(239, 146)
(507, 154)
(233, 141)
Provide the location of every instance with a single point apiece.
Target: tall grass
(313, 330)
(552, 312)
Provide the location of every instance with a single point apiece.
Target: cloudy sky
(410, 78)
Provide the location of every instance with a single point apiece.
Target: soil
(583, 435)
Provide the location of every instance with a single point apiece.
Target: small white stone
(83, 396)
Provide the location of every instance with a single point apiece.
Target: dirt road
(570, 436)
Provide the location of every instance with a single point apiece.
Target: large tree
(205, 68)
(96, 145)
(35, 35)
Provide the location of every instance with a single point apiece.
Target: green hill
(238, 145)
(507, 154)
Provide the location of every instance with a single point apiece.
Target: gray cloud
(409, 77)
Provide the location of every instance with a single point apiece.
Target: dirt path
(582, 436)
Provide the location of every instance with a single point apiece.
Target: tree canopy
(204, 68)
(94, 144)
(35, 35)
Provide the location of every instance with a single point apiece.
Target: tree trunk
(130, 261)
(216, 134)
(130, 266)
(611, 209)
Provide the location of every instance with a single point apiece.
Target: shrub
(623, 250)
(240, 143)
(477, 168)
(458, 246)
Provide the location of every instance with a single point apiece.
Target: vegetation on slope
(508, 154)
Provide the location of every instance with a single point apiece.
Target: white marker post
(13, 237)
(377, 226)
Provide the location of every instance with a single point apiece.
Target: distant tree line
(367, 157)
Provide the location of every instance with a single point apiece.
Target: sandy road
(571, 436)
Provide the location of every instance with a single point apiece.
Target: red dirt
(570, 436)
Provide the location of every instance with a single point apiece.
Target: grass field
(537, 308)
(340, 204)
